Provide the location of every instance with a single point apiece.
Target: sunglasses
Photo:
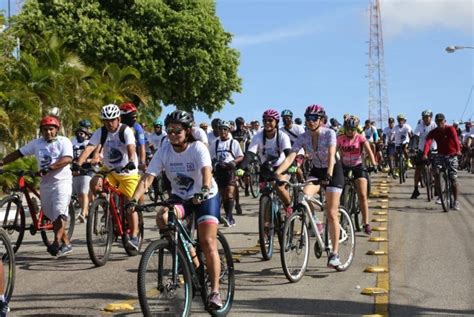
(224, 128)
(174, 131)
(312, 117)
(350, 129)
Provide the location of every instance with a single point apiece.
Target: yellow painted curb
(377, 252)
(118, 307)
(379, 213)
(376, 269)
(378, 239)
(383, 200)
(379, 220)
(379, 229)
(374, 291)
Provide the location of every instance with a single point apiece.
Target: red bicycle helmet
(127, 108)
(315, 109)
(271, 113)
(50, 120)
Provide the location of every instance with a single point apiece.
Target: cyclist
(335, 125)
(421, 131)
(272, 146)
(320, 143)
(458, 130)
(128, 115)
(214, 134)
(204, 126)
(187, 163)
(118, 148)
(81, 180)
(389, 143)
(371, 134)
(468, 145)
(350, 145)
(159, 136)
(53, 153)
(226, 154)
(448, 150)
(241, 134)
(403, 132)
(293, 131)
(255, 128)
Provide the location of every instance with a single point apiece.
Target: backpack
(230, 147)
(104, 132)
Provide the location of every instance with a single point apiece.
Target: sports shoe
(415, 194)
(214, 301)
(334, 260)
(238, 209)
(4, 309)
(232, 222)
(52, 249)
(438, 201)
(456, 205)
(133, 242)
(80, 218)
(225, 221)
(367, 229)
(64, 250)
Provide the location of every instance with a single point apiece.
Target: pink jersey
(351, 149)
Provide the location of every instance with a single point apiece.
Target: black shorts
(337, 175)
(225, 177)
(359, 171)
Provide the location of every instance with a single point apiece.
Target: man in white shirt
(403, 132)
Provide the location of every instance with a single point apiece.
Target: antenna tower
(378, 101)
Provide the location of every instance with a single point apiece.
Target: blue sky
(297, 52)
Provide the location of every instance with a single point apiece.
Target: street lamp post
(453, 48)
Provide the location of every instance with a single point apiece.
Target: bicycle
(251, 176)
(107, 221)
(444, 183)
(427, 179)
(350, 200)
(14, 212)
(167, 277)
(401, 163)
(294, 252)
(8, 262)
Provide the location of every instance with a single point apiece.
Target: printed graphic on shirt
(184, 182)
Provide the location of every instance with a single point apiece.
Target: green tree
(179, 46)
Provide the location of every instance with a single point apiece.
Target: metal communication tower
(378, 100)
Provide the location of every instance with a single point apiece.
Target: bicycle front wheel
(13, 220)
(161, 291)
(346, 240)
(8, 269)
(99, 232)
(444, 190)
(294, 252)
(266, 227)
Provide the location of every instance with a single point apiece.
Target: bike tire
(254, 181)
(157, 293)
(355, 211)
(8, 259)
(226, 277)
(401, 169)
(126, 232)
(48, 235)
(294, 251)
(346, 240)
(444, 191)
(266, 236)
(14, 225)
(99, 232)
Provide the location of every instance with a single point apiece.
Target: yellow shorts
(126, 183)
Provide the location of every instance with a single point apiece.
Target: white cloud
(400, 16)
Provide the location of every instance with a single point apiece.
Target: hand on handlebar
(201, 196)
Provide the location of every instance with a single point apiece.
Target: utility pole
(378, 100)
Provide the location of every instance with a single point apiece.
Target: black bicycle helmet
(85, 123)
(239, 121)
(178, 116)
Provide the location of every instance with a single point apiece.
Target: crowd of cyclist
(201, 165)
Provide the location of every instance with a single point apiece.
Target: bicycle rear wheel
(266, 227)
(226, 277)
(346, 239)
(162, 292)
(13, 220)
(356, 212)
(294, 252)
(99, 232)
(254, 180)
(8, 268)
(48, 235)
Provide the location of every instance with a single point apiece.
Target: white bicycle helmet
(109, 112)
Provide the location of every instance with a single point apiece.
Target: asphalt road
(431, 269)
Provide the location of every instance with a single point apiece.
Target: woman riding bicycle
(187, 164)
(320, 143)
(350, 146)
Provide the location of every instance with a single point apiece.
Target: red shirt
(446, 139)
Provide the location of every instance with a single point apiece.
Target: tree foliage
(179, 46)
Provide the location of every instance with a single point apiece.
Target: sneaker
(415, 194)
(456, 205)
(64, 250)
(80, 218)
(438, 201)
(288, 211)
(4, 309)
(334, 260)
(214, 301)
(238, 209)
(232, 222)
(133, 242)
(367, 229)
(52, 249)
(225, 221)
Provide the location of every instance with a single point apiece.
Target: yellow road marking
(376, 252)
(376, 269)
(379, 213)
(379, 229)
(377, 239)
(379, 220)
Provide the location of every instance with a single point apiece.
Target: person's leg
(361, 185)
(208, 241)
(332, 206)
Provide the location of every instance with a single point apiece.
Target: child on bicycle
(187, 164)
(54, 154)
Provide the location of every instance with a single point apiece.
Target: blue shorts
(209, 211)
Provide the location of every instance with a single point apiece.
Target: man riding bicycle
(403, 132)
(54, 154)
(293, 131)
(389, 143)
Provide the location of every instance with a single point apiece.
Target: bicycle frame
(116, 211)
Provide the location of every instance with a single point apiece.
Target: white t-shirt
(115, 152)
(157, 140)
(211, 137)
(227, 150)
(402, 134)
(271, 150)
(422, 131)
(389, 135)
(465, 135)
(78, 147)
(183, 169)
(295, 130)
(200, 135)
(49, 153)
